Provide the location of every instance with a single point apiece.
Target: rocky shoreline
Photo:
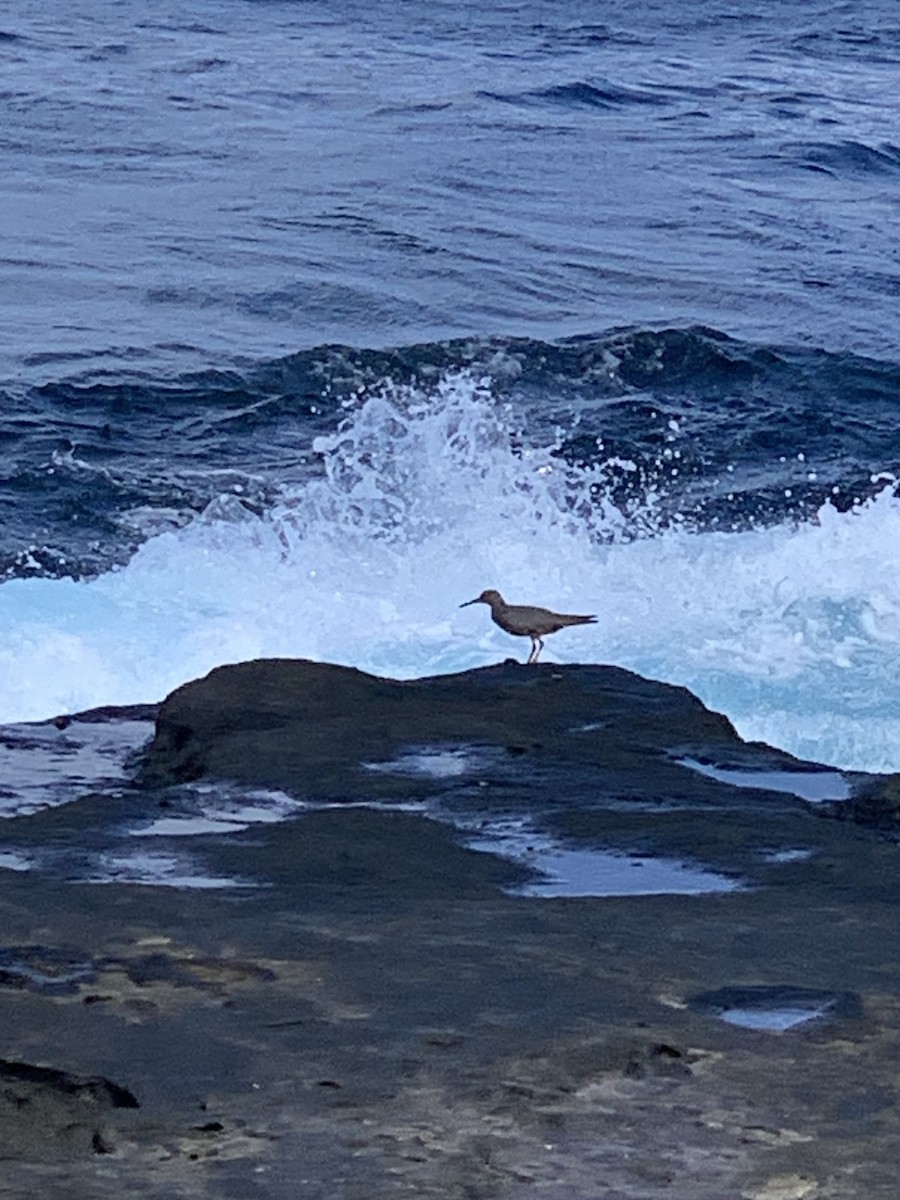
(367, 1006)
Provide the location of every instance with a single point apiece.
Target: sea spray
(425, 497)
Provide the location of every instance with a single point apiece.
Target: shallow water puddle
(220, 812)
(775, 1009)
(11, 860)
(188, 827)
(157, 870)
(790, 854)
(592, 872)
(52, 766)
(601, 873)
(816, 787)
(435, 762)
(776, 1020)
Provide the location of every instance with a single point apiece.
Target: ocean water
(316, 320)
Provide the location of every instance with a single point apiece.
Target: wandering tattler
(524, 620)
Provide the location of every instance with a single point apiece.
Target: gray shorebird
(524, 620)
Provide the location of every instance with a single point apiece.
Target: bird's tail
(574, 620)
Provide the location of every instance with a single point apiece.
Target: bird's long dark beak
(468, 602)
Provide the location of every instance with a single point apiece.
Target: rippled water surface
(192, 183)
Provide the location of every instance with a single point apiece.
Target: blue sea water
(317, 319)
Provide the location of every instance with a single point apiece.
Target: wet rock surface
(310, 726)
(366, 1007)
(54, 1114)
(876, 802)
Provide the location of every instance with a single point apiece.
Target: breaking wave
(426, 496)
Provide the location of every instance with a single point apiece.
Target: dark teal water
(198, 198)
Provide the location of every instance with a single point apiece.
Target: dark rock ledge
(312, 728)
(381, 1015)
(309, 726)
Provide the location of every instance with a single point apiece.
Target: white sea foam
(425, 500)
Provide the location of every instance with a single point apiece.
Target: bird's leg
(536, 647)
